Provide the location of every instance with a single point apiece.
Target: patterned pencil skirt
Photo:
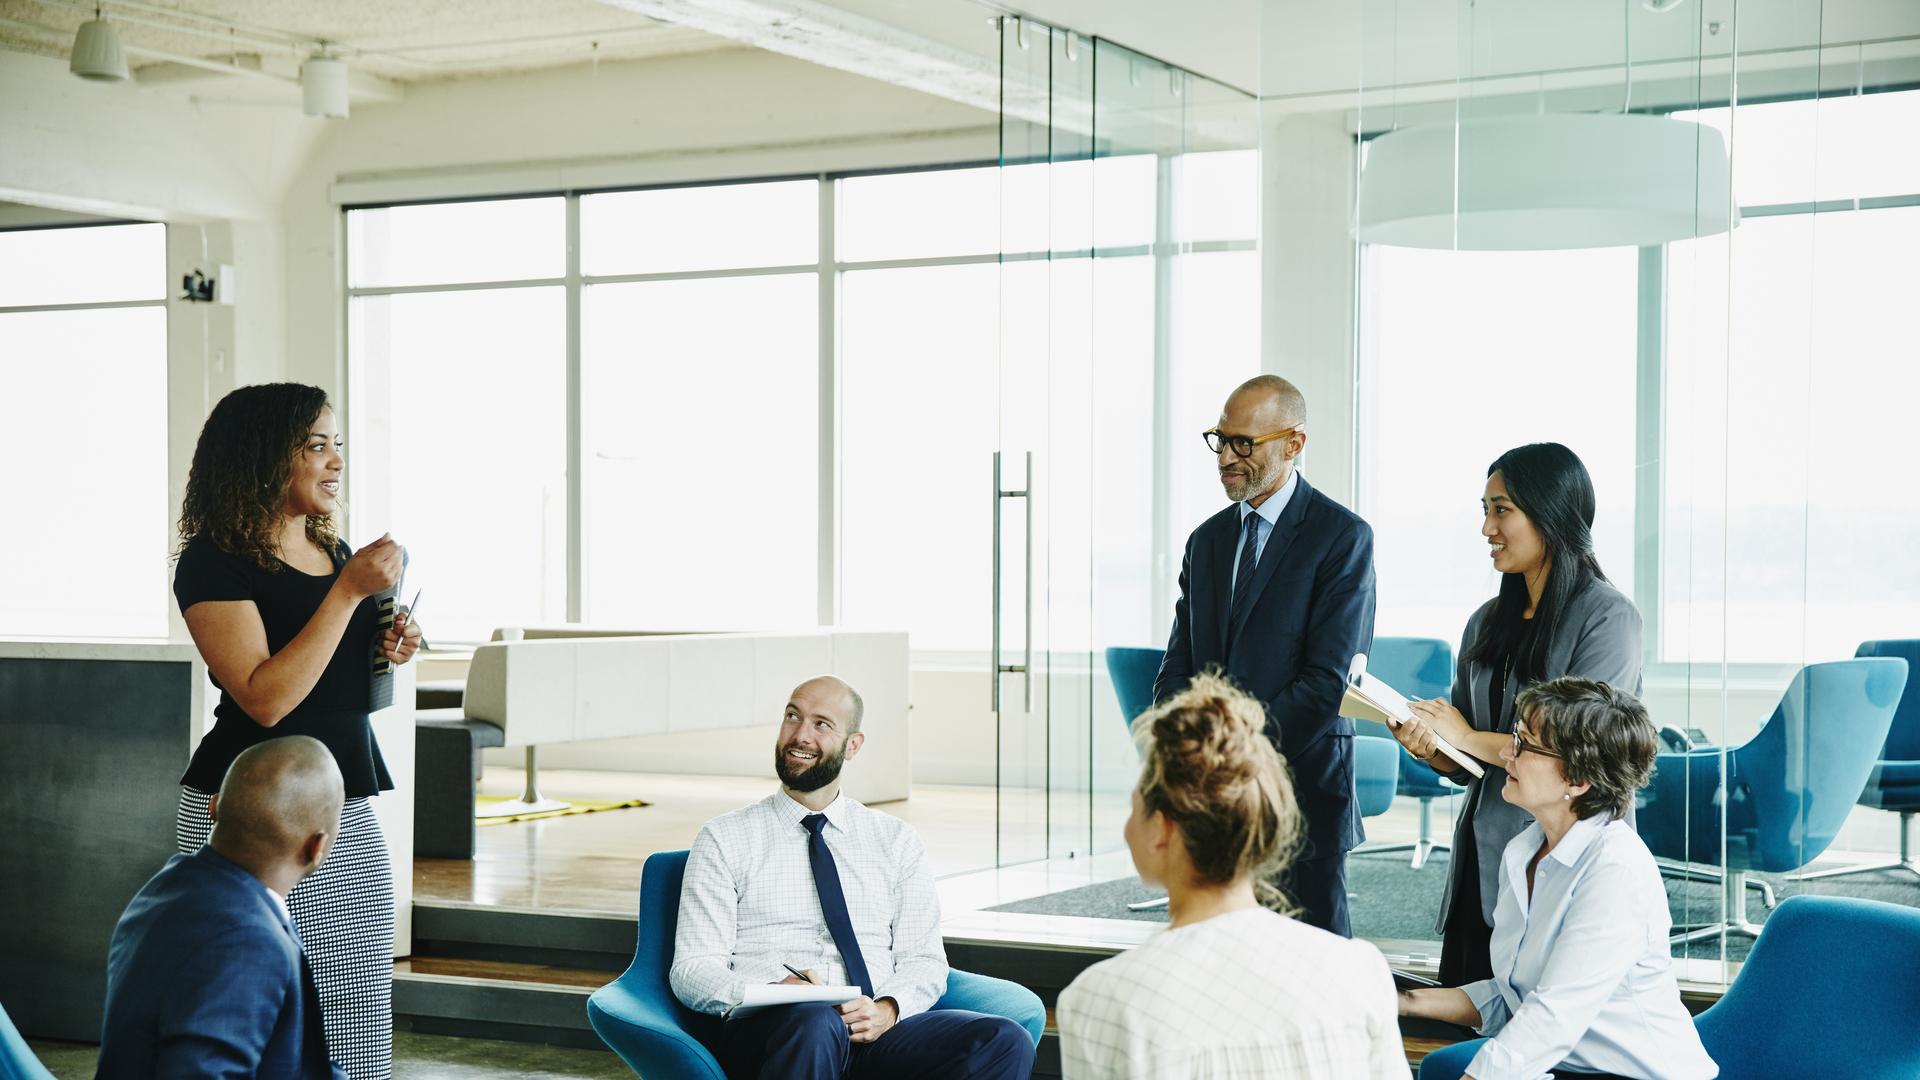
(344, 913)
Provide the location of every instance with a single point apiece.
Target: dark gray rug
(1390, 899)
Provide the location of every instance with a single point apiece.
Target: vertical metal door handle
(996, 668)
(993, 656)
(1026, 667)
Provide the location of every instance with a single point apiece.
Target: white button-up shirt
(1583, 974)
(1249, 994)
(749, 905)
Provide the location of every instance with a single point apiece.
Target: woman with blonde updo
(1234, 987)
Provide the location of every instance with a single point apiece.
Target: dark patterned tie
(1243, 577)
(833, 902)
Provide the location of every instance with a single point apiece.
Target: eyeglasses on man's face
(1522, 746)
(1242, 445)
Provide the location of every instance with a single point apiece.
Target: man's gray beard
(1257, 484)
(822, 772)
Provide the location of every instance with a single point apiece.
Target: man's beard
(1257, 482)
(824, 770)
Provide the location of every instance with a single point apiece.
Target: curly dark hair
(1210, 769)
(1603, 735)
(242, 468)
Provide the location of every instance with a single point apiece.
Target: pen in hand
(801, 975)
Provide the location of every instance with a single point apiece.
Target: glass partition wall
(1128, 307)
(1083, 305)
(1722, 334)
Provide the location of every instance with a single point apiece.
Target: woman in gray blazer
(1556, 615)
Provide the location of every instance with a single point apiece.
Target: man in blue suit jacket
(1283, 619)
(205, 976)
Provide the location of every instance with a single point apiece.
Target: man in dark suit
(205, 976)
(1277, 590)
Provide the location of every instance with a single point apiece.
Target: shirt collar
(1567, 852)
(1578, 839)
(791, 812)
(1277, 502)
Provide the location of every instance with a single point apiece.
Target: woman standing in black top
(281, 609)
(1556, 614)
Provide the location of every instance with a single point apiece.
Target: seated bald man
(205, 976)
(807, 878)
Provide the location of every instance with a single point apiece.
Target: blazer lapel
(1226, 536)
(1284, 531)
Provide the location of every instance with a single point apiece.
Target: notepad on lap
(766, 995)
(1368, 698)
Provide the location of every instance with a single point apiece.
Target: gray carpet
(1390, 899)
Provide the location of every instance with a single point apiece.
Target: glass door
(1129, 295)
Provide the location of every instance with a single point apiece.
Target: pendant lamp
(323, 87)
(1528, 183)
(97, 55)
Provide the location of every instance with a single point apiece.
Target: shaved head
(1273, 398)
(277, 795)
(854, 708)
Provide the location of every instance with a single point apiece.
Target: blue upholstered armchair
(1895, 782)
(1418, 668)
(638, 1016)
(17, 1060)
(1787, 791)
(1830, 990)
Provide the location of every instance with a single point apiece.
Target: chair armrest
(995, 997)
(647, 1032)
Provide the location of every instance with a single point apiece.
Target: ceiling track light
(323, 86)
(97, 53)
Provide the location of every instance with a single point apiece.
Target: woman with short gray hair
(1583, 981)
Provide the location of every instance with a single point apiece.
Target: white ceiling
(404, 41)
(1286, 49)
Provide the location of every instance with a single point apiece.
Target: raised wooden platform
(510, 944)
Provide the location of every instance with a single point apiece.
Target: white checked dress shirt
(1583, 975)
(749, 905)
(1250, 994)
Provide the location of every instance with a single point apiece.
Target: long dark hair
(1550, 485)
(243, 466)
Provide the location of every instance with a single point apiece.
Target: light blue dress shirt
(1583, 975)
(1269, 513)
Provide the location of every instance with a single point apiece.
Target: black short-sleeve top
(335, 710)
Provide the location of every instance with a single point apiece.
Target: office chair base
(530, 801)
(1886, 864)
(1905, 860)
(1736, 921)
(1691, 872)
(1148, 905)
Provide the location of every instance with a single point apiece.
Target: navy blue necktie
(833, 902)
(1243, 577)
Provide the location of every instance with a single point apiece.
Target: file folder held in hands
(1367, 698)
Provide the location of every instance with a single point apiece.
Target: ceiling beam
(831, 37)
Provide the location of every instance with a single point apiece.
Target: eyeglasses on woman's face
(1522, 746)
(1242, 445)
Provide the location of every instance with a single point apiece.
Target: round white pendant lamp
(97, 55)
(323, 87)
(1530, 183)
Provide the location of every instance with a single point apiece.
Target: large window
(717, 485)
(1791, 360)
(1468, 355)
(83, 428)
(461, 453)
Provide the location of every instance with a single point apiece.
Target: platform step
(535, 1003)
(585, 940)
